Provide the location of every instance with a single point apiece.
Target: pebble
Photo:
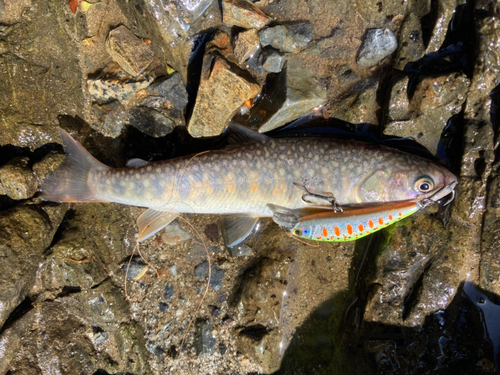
(136, 269)
(169, 292)
(132, 53)
(279, 37)
(17, 179)
(204, 342)
(302, 32)
(243, 14)
(112, 118)
(150, 122)
(175, 234)
(171, 88)
(378, 44)
(246, 45)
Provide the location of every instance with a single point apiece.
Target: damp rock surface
(378, 44)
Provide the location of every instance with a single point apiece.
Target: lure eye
(424, 184)
(297, 232)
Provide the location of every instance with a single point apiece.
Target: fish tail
(70, 183)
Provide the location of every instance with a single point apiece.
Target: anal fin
(152, 221)
(237, 228)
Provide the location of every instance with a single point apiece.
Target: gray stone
(243, 14)
(17, 179)
(169, 292)
(378, 44)
(132, 53)
(280, 38)
(272, 60)
(150, 122)
(171, 88)
(359, 107)
(303, 33)
(291, 94)
(204, 341)
(201, 270)
(112, 118)
(135, 269)
(216, 278)
(246, 45)
(115, 84)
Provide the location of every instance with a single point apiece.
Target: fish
(241, 180)
(350, 224)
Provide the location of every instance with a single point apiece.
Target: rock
(169, 292)
(444, 13)
(346, 75)
(243, 14)
(272, 60)
(112, 118)
(174, 235)
(435, 101)
(303, 33)
(201, 270)
(133, 55)
(17, 179)
(150, 122)
(204, 342)
(25, 233)
(246, 44)
(399, 102)
(223, 90)
(115, 84)
(411, 45)
(216, 278)
(171, 88)
(377, 45)
(47, 166)
(176, 24)
(291, 94)
(26, 135)
(359, 107)
(280, 38)
(136, 269)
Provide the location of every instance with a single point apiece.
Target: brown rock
(17, 179)
(133, 55)
(223, 90)
(243, 14)
(246, 45)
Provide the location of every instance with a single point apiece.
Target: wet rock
(47, 166)
(177, 25)
(223, 90)
(346, 75)
(112, 118)
(95, 325)
(133, 55)
(399, 102)
(445, 11)
(435, 101)
(377, 45)
(246, 44)
(359, 107)
(411, 45)
(204, 341)
(17, 179)
(303, 33)
(243, 14)
(380, 12)
(25, 233)
(272, 60)
(280, 38)
(171, 88)
(291, 94)
(115, 84)
(150, 122)
(12, 339)
(26, 135)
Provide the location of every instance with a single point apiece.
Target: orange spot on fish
(331, 237)
(319, 238)
(254, 188)
(390, 217)
(345, 237)
(370, 223)
(276, 191)
(361, 227)
(337, 231)
(231, 189)
(380, 221)
(325, 232)
(349, 228)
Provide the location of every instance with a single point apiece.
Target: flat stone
(150, 122)
(112, 118)
(17, 179)
(378, 44)
(115, 84)
(172, 89)
(223, 90)
(280, 38)
(291, 94)
(246, 44)
(133, 55)
(303, 32)
(272, 60)
(243, 14)
(359, 107)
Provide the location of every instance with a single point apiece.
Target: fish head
(407, 178)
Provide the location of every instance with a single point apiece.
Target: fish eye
(424, 184)
(297, 232)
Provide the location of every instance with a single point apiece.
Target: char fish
(241, 181)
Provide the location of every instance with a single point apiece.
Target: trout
(242, 180)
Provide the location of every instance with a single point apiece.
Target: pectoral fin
(284, 217)
(237, 228)
(152, 221)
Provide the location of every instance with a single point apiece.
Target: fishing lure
(350, 224)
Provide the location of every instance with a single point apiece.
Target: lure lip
(441, 193)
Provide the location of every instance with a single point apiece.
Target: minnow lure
(351, 224)
(241, 180)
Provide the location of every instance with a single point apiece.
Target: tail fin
(70, 182)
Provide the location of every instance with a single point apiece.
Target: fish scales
(244, 179)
